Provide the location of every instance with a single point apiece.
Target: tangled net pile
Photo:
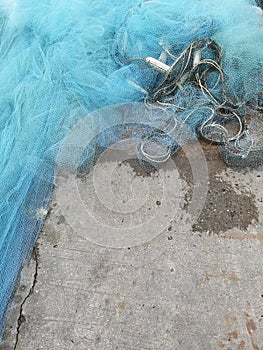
(213, 88)
(200, 61)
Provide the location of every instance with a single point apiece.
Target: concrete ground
(173, 286)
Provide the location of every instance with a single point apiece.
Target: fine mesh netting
(199, 61)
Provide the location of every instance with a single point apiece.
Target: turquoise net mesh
(61, 60)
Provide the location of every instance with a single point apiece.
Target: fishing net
(197, 62)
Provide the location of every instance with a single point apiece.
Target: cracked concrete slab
(186, 288)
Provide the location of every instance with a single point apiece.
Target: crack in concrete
(21, 319)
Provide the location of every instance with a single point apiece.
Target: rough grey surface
(199, 288)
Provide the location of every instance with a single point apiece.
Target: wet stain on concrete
(140, 168)
(225, 209)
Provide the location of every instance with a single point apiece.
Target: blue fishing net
(61, 60)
